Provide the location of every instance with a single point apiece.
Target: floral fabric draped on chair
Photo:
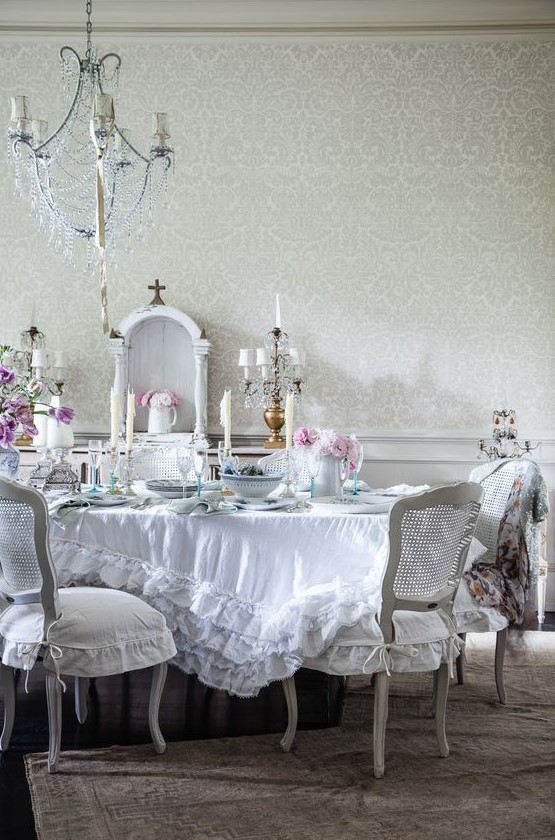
(504, 581)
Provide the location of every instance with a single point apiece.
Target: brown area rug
(497, 784)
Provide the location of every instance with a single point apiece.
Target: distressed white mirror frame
(160, 347)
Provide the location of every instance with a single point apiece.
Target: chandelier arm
(44, 185)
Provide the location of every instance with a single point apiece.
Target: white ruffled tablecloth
(248, 596)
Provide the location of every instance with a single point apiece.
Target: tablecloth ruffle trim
(229, 644)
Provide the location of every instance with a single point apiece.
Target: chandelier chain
(89, 30)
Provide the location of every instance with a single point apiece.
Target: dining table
(247, 593)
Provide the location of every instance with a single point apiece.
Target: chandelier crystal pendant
(87, 180)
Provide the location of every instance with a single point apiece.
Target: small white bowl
(251, 488)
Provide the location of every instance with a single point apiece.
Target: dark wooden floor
(118, 714)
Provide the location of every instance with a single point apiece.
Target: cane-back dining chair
(498, 586)
(429, 537)
(79, 631)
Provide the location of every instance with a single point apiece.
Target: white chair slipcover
(429, 537)
(82, 631)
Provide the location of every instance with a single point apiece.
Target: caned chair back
(27, 573)
(429, 537)
(158, 462)
(276, 464)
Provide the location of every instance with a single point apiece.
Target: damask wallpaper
(400, 196)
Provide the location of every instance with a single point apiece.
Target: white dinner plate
(367, 503)
(104, 500)
(266, 504)
(169, 489)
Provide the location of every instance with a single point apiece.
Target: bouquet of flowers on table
(328, 442)
(158, 399)
(20, 399)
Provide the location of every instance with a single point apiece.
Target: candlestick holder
(277, 372)
(289, 477)
(126, 466)
(113, 457)
(61, 477)
(42, 469)
(504, 437)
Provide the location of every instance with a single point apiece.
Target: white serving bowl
(251, 488)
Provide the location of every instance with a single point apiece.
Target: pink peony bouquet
(328, 442)
(157, 399)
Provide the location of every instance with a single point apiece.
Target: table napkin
(201, 507)
(66, 509)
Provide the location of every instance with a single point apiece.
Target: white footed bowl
(251, 488)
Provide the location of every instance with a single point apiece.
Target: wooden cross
(157, 300)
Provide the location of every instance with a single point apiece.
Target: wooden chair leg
(8, 691)
(81, 692)
(441, 687)
(54, 703)
(500, 645)
(460, 662)
(292, 713)
(381, 698)
(159, 673)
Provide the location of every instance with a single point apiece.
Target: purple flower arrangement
(19, 399)
(328, 442)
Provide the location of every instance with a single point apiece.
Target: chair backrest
(158, 462)
(429, 537)
(27, 573)
(497, 490)
(276, 464)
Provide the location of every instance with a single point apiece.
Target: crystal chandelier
(87, 180)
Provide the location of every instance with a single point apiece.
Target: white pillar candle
(278, 313)
(289, 421)
(115, 413)
(225, 417)
(129, 420)
(58, 435)
(41, 423)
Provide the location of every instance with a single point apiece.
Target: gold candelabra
(268, 376)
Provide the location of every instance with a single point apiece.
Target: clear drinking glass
(199, 453)
(313, 463)
(344, 470)
(358, 465)
(184, 457)
(95, 449)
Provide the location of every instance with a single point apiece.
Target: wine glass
(199, 454)
(94, 450)
(344, 470)
(359, 458)
(184, 458)
(313, 463)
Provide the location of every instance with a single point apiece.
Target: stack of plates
(169, 488)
